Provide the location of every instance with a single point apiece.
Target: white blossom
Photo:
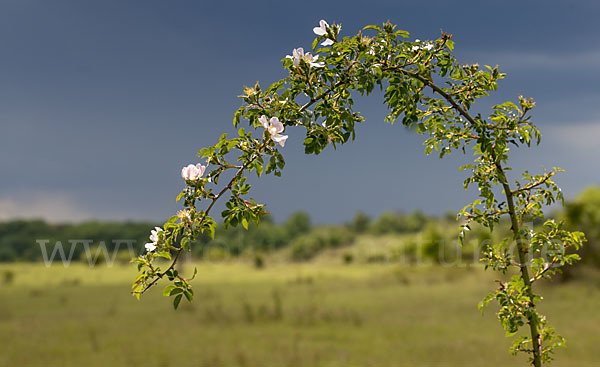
(154, 237)
(184, 215)
(298, 54)
(321, 30)
(274, 127)
(422, 45)
(280, 139)
(154, 234)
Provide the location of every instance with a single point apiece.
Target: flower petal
(184, 173)
(201, 169)
(272, 130)
(276, 124)
(263, 121)
(319, 31)
(192, 172)
(280, 139)
(327, 42)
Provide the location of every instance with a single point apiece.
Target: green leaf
(195, 272)
(375, 27)
(176, 301)
(315, 43)
(185, 243)
(175, 291)
(167, 290)
(237, 117)
(164, 254)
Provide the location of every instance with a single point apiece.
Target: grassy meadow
(322, 313)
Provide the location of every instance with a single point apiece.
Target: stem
(515, 228)
(441, 92)
(532, 186)
(522, 250)
(321, 96)
(237, 174)
(214, 200)
(540, 274)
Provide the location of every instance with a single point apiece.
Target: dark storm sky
(103, 102)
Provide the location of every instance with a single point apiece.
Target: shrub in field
(390, 222)
(360, 223)
(435, 245)
(297, 224)
(308, 246)
(8, 276)
(583, 214)
(427, 89)
(259, 261)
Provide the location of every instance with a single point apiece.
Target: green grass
(315, 314)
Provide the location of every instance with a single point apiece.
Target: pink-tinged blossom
(321, 30)
(274, 127)
(298, 54)
(192, 172)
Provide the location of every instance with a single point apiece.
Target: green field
(315, 314)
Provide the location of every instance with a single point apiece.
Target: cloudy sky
(102, 102)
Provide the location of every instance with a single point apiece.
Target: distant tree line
(303, 239)
(18, 238)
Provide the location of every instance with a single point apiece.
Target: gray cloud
(539, 60)
(581, 136)
(51, 206)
